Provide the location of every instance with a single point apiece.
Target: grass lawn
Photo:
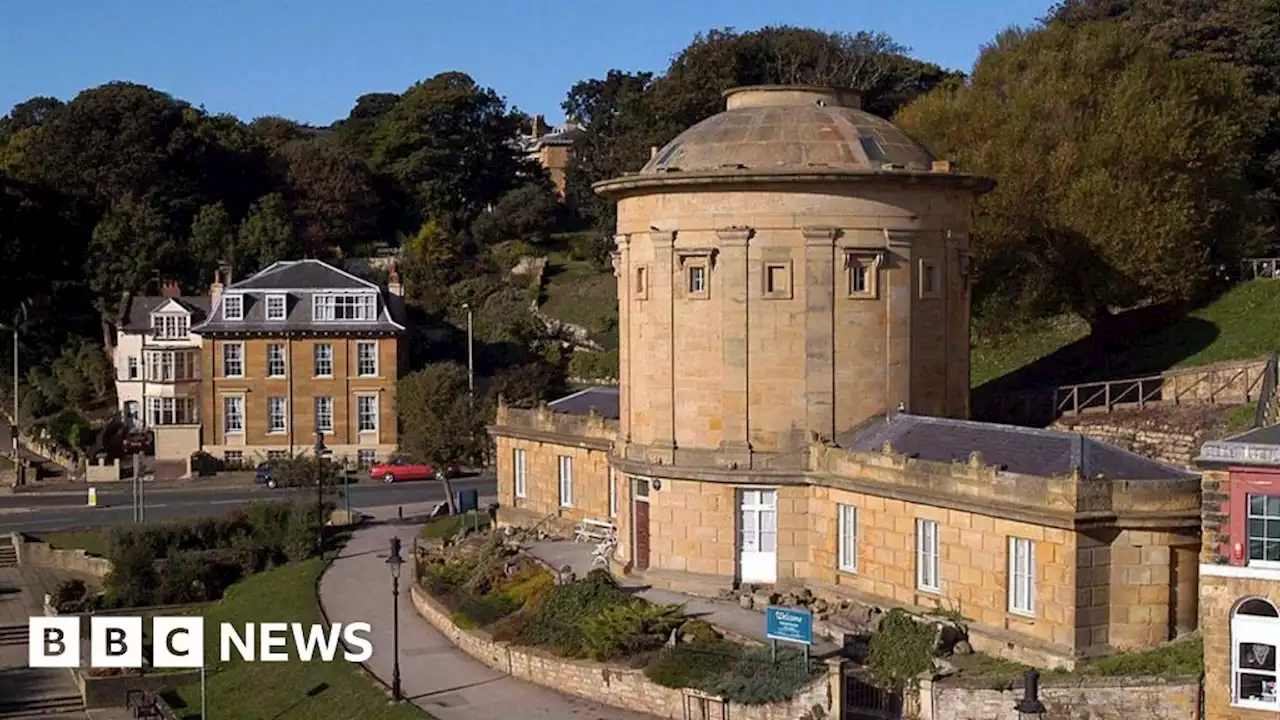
(579, 293)
(1180, 657)
(6, 462)
(448, 526)
(265, 691)
(93, 541)
(1239, 325)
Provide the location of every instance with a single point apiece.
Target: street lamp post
(320, 451)
(471, 363)
(394, 561)
(17, 458)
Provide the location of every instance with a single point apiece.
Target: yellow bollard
(93, 497)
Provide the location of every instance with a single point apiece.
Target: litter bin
(468, 500)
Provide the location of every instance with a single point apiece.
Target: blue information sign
(789, 624)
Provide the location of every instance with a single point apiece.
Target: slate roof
(1026, 451)
(603, 399)
(137, 317)
(1269, 435)
(300, 280)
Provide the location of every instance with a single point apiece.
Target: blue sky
(311, 60)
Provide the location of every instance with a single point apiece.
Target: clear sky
(310, 60)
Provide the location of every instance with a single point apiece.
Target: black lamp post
(394, 561)
(320, 450)
(1030, 707)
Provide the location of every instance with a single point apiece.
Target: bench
(592, 530)
(143, 705)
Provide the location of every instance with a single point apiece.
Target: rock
(820, 606)
(745, 602)
(962, 648)
(763, 598)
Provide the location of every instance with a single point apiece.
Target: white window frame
(1265, 518)
(361, 425)
(1022, 576)
(170, 326)
(228, 303)
(366, 458)
(228, 403)
(238, 360)
(565, 465)
(927, 565)
(132, 370)
(1256, 630)
(277, 307)
(233, 456)
(280, 363)
(166, 411)
(613, 493)
(361, 346)
(324, 414)
(344, 307)
(282, 405)
(322, 360)
(847, 538)
(519, 470)
(697, 279)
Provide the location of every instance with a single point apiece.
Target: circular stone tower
(791, 266)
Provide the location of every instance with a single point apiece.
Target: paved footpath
(435, 675)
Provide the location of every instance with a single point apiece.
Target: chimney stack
(393, 281)
(220, 276)
(170, 290)
(653, 151)
(539, 126)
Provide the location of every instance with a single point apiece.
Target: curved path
(435, 675)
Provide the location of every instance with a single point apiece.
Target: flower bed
(506, 610)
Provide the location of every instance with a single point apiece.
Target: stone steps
(13, 634)
(8, 556)
(45, 708)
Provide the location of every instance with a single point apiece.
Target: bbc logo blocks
(115, 642)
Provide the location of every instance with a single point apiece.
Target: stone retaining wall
(619, 687)
(1089, 698)
(42, 555)
(1149, 435)
(113, 691)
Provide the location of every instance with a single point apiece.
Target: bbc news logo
(178, 642)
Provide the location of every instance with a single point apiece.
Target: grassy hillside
(580, 293)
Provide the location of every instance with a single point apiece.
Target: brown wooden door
(640, 523)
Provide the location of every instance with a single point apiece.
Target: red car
(401, 468)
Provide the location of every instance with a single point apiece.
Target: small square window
(698, 280)
(642, 283)
(777, 280)
(862, 269)
(929, 283)
(233, 457)
(366, 458)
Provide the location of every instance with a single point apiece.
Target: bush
(692, 665)
(637, 626)
(594, 365)
(182, 579)
(755, 678)
(901, 650)
(133, 580)
(69, 596)
(530, 586)
(558, 624)
(203, 464)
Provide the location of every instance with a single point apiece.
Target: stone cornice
(820, 235)
(731, 236)
(899, 238)
(1221, 452)
(679, 181)
(599, 444)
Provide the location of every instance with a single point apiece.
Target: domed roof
(795, 133)
(777, 127)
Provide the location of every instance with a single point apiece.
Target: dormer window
(233, 307)
(334, 307)
(170, 326)
(277, 307)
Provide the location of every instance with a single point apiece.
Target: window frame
(1265, 517)
(337, 307)
(929, 270)
(1022, 569)
(613, 493)
(1255, 630)
(641, 287)
(862, 259)
(132, 369)
(520, 469)
(324, 401)
(928, 565)
(170, 326)
(768, 285)
(227, 304)
(847, 538)
(239, 347)
(168, 411)
(283, 361)
(283, 299)
(273, 403)
(227, 402)
(699, 270)
(361, 427)
(315, 360)
(564, 466)
(360, 346)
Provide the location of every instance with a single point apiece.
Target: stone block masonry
(1088, 698)
(617, 686)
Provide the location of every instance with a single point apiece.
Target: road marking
(15, 511)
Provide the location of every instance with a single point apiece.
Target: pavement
(66, 509)
(22, 592)
(436, 676)
(725, 615)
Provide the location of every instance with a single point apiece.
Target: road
(46, 511)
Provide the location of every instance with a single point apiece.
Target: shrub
(133, 580)
(558, 624)
(69, 595)
(588, 365)
(627, 629)
(300, 536)
(901, 650)
(530, 586)
(755, 678)
(478, 611)
(691, 665)
(182, 579)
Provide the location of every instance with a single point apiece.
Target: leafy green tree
(439, 423)
(1120, 170)
(357, 129)
(266, 235)
(449, 142)
(432, 261)
(213, 239)
(135, 239)
(333, 197)
(529, 213)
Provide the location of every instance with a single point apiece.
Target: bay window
(361, 307)
(163, 411)
(1255, 637)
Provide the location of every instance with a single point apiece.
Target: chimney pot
(653, 151)
(942, 166)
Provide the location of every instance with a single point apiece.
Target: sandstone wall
(40, 554)
(1171, 436)
(1080, 699)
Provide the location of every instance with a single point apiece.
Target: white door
(758, 536)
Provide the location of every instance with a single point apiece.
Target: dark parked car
(265, 475)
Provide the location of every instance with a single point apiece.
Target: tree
(449, 141)
(432, 261)
(529, 213)
(213, 239)
(266, 236)
(135, 241)
(356, 131)
(442, 424)
(1119, 169)
(333, 196)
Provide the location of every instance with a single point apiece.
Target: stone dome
(791, 128)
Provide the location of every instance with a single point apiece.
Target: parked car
(403, 468)
(265, 475)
